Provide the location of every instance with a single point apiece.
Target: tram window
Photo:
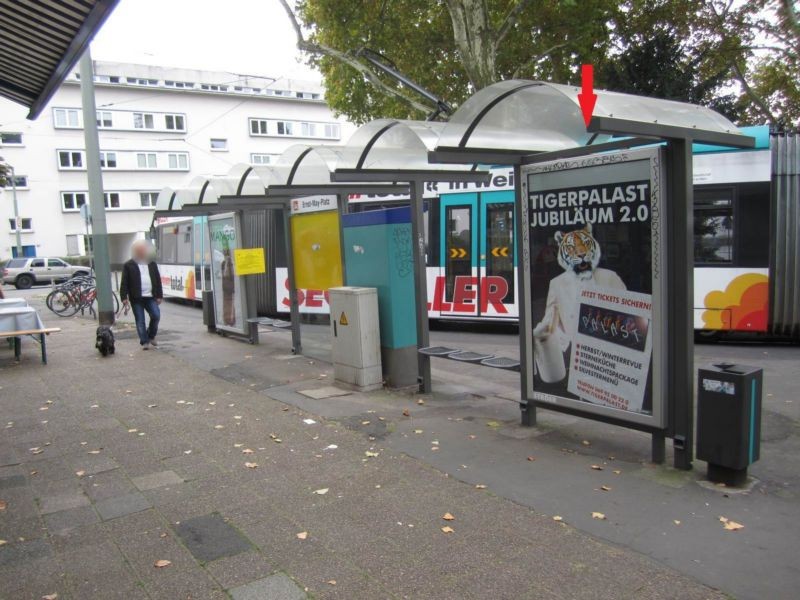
(713, 227)
(184, 244)
(168, 247)
(458, 246)
(500, 244)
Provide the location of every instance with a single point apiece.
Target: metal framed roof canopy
(525, 122)
(41, 43)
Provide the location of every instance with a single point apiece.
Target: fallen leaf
(331, 582)
(616, 471)
(365, 422)
(309, 421)
(597, 468)
(93, 452)
(492, 424)
(219, 426)
(285, 409)
(448, 517)
(331, 447)
(381, 418)
(80, 473)
(321, 491)
(3, 542)
(36, 450)
(187, 451)
(480, 486)
(418, 431)
(730, 525)
(472, 437)
(558, 519)
(420, 401)
(44, 408)
(250, 465)
(152, 405)
(277, 440)
(181, 402)
(605, 488)
(50, 597)
(237, 417)
(132, 430)
(676, 522)
(247, 451)
(302, 535)
(371, 454)
(34, 473)
(163, 535)
(212, 403)
(531, 458)
(447, 529)
(3, 505)
(434, 442)
(160, 564)
(406, 412)
(598, 515)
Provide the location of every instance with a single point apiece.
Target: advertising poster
(594, 237)
(229, 298)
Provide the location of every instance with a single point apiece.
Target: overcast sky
(242, 36)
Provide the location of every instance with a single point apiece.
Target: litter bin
(209, 317)
(729, 420)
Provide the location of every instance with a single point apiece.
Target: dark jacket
(131, 286)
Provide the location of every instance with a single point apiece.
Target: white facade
(158, 127)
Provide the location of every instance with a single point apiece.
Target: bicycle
(76, 294)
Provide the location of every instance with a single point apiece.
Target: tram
(472, 264)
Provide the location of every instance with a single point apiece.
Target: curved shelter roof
(536, 116)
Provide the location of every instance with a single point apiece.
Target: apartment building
(157, 127)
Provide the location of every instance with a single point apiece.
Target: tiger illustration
(579, 255)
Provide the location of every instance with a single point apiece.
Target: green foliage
(741, 58)
(3, 172)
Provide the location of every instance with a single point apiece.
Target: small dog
(105, 340)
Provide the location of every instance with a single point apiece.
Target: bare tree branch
(534, 59)
(751, 93)
(511, 19)
(351, 61)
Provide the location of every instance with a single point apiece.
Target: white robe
(563, 302)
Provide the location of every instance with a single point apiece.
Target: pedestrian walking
(141, 291)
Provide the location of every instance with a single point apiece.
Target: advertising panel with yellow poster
(316, 244)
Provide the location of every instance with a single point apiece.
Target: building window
(259, 127)
(66, 117)
(148, 199)
(260, 159)
(178, 160)
(332, 130)
(141, 81)
(219, 144)
(108, 160)
(175, 122)
(210, 87)
(111, 199)
(182, 85)
(146, 160)
(20, 181)
(25, 224)
(104, 119)
(70, 159)
(285, 127)
(73, 200)
(308, 129)
(143, 120)
(11, 139)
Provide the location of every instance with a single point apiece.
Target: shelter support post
(421, 287)
(343, 208)
(102, 262)
(658, 447)
(521, 229)
(680, 301)
(294, 307)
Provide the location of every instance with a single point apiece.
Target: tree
(3, 172)
(452, 47)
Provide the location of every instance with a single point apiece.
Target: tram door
(477, 272)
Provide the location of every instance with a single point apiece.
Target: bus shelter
(561, 165)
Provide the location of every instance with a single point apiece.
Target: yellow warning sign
(343, 319)
(249, 261)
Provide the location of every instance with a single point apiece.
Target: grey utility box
(729, 420)
(355, 331)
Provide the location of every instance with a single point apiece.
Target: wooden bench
(34, 333)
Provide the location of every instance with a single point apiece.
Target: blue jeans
(146, 332)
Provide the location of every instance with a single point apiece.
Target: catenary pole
(17, 222)
(102, 263)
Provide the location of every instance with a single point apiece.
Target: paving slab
(275, 587)
(63, 501)
(66, 520)
(324, 392)
(152, 481)
(12, 481)
(209, 538)
(120, 506)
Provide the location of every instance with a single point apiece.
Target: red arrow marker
(587, 98)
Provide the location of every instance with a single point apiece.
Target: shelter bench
(478, 358)
(36, 334)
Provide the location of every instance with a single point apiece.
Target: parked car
(26, 272)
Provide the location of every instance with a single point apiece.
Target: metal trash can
(729, 420)
(209, 317)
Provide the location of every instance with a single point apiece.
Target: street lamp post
(17, 220)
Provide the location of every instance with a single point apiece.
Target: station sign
(309, 204)
(593, 252)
